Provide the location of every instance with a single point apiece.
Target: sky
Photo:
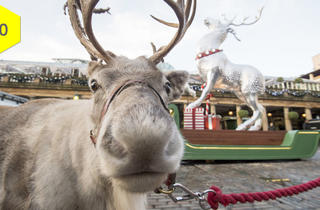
(281, 43)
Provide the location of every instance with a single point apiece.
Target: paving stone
(243, 177)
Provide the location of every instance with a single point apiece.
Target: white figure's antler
(230, 22)
(243, 22)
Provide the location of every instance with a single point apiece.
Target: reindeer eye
(167, 86)
(94, 85)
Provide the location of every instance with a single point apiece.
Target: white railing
(296, 86)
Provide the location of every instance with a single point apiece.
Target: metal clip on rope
(199, 196)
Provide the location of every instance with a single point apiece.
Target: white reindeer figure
(215, 68)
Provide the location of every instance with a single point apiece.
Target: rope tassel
(214, 198)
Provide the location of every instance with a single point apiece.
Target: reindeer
(215, 68)
(102, 153)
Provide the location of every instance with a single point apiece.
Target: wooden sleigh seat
(232, 137)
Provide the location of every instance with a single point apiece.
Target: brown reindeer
(103, 153)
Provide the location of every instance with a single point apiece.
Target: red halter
(116, 91)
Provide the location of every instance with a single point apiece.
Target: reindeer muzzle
(116, 91)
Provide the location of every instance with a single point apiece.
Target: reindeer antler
(244, 19)
(182, 11)
(96, 11)
(85, 34)
(88, 40)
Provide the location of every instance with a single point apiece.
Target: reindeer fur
(47, 160)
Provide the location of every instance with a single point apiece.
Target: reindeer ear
(178, 79)
(92, 66)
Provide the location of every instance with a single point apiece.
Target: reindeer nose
(144, 129)
(147, 135)
(143, 139)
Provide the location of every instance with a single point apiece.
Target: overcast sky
(282, 43)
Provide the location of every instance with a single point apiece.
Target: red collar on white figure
(207, 53)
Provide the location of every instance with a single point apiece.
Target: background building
(316, 62)
(289, 102)
(315, 74)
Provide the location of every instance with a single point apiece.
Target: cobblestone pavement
(246, 176)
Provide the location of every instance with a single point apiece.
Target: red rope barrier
(225, 199)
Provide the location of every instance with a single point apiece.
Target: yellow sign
(9, 29)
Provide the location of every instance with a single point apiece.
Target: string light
(76, 97)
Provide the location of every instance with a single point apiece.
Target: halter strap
(116, 91)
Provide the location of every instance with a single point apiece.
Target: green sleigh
(247, 145)
(296, 144)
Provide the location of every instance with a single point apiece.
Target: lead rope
(215, 195)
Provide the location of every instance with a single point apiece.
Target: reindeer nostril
(115, 148)
(171, 148)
